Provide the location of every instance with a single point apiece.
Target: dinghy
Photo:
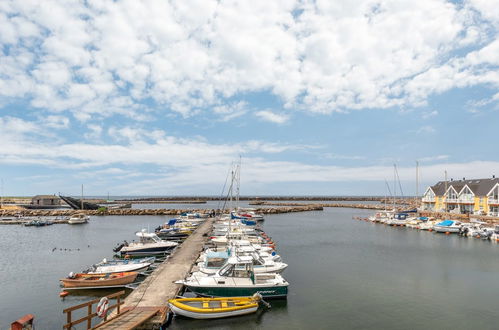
(213, 308)
(94, 281)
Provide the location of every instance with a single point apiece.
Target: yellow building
(477, 196)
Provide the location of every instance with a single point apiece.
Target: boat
(120, 266)
(213, 261)
(214, 308)
(382, 216)
(399, 219)
(148, 244)
(82, 280)
(38, 223)
(237, 279)
(78, 218)
(447, 226)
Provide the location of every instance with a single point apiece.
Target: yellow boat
(212, 308)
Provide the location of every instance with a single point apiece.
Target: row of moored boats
(235, 273)
(135, 258)
(473, 228)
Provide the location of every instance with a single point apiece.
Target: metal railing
(492, 200)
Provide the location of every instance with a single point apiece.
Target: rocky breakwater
(125, 212)
(322, 205)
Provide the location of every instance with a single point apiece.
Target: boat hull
(120, 268)
(240, 291)
(146, 251)
(444, 229)
(83, 281)
(216, 315)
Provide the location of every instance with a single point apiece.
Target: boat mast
(238, 171)
(82, 196)
(394, 185)
(1, 194)
(445, 198)
(417, 182)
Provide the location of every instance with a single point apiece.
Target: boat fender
(102, 307)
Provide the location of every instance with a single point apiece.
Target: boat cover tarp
(171, 222)
(445, 223)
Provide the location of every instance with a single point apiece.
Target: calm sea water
(344, 274)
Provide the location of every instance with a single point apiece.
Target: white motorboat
(148, 244)
(447, 226)
(78, 218)
(382, 216)
(237, 279)
(399, 219)
(118, 266)
(213, 261)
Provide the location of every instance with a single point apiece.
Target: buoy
(447, 233)
(430, 229)
(63, 294)
(102, 307)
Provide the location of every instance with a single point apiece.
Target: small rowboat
(98, 280)
(213, 308)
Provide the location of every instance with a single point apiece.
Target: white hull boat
(447, 226)
(149, 244)
(78, 219)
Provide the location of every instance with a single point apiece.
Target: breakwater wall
(322, 205)
(55, 213)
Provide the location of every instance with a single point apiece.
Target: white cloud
(57, 122)
(425, 130)
(92, 59)
(272, 117)
(429, 114)
(175, 163)
(434, 158)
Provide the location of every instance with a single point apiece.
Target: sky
(322, 97)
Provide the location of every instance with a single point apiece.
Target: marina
(365, 261)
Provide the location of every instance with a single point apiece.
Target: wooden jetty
(147, 305)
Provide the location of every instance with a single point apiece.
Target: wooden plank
(129, 320)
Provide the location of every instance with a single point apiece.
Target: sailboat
(79, 217)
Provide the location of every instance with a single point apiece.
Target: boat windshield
(215, 262)
(231, 270)
(150, 239)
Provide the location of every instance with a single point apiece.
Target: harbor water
(344, 273)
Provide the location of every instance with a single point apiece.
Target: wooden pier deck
(153, 293)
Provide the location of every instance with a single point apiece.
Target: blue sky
(317, 97)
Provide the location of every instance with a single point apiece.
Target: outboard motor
(118, 248)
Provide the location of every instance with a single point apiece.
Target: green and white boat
(237, 279)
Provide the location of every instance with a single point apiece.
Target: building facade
(46, 200)
(477, 196)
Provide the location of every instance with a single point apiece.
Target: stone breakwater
(322, 205)
(58, 213)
